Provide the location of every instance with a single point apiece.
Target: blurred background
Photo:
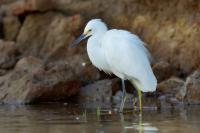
(36, 64)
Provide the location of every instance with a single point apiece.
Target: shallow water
(64, 118)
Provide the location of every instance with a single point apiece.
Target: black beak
(77, 41)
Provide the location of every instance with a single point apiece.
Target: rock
(3, 72)
(168, 40)
(23, 6)
(29, 83)
(19, 7)
(82, 67)
(170, 87)
(43, 34)
(1, 26)
(11, 25)
(168, 90)
(168, 102)
(29, 65)
(117, 98)
(7, 55)
(192, 88)
(98, 91)
(163, 70)
(47, 35)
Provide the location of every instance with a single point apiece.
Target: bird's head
(93, 27)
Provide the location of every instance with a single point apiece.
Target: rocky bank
(36, 64)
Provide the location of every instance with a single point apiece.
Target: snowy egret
(121, 53)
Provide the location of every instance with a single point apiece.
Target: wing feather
(126, 55)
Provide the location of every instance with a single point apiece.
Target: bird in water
(121, 53)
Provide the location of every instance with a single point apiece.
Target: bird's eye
(89, 30)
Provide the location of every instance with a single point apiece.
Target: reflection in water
(140, 123)
(139, 127)
(59, 118)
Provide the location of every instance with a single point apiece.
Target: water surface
(64, 118)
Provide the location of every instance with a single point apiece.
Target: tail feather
(145, 86)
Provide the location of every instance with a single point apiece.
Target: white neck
(95, 51)
(97, 36)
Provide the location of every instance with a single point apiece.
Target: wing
(127, 56)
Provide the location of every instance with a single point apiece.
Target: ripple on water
(60, 119)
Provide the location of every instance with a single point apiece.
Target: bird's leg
(134, 102)
(140, 99)
(123, 97)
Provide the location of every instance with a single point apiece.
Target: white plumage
(128, 58)
(121, 53)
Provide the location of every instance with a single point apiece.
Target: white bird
(121, 53)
